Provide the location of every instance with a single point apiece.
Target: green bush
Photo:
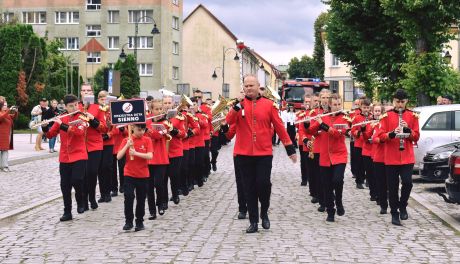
(22, 122)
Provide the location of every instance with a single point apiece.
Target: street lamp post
(224, 52)
(122, 55)
(154, 31)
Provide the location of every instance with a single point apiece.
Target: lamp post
(154, 31)
(224, 52)
(122, 55)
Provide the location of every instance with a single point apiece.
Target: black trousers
(369, 172)
(242, 204)
(393, 172)
(304, 165)
(72, 175)
(135, 188)
(333, 185)
(256, 171)
(120, 164)
(92, 168)
(183, 181)
(291, 131)
(191, 167)
(156, 180)
(105, 171)
(315, 179)
(173, 173)
(206, 159)
(381, 183)
(352, 158)
(360, 175)
(214, 148)
(198, 168)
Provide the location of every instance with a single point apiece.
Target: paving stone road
(203, 228)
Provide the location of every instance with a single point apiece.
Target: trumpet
(185, 101)
(47, 121)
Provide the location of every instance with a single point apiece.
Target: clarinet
(401, 140)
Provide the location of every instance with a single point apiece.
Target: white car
(439, 125)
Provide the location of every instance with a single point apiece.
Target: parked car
(435, 164)
(453, 182)
(439, 125)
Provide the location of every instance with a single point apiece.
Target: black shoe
(340, 210)
(265, 222)
(108, 198)
(122, 190)
(403, 214)
(252, 228)
(139, 227)
(180, 192)
(314, 200)
(94, 205)
(86, 207)
(161, 211)
(153, 217)
(101, 200)
(66, 217)
(185, 193)
(304, 183)
(373, 199)
(330, 215)
(165, 206)
(383, 211)
(128, 226)
(395, 219)
(321, 208)
(377, 202)
(114, 194)
(359, 186)
(214, 167)
(200, 184)
(241, 215)
(176, 200)
(80, 210)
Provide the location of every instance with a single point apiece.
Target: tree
(303, 68)
(99, 79)
(318, 50)
(129, 77)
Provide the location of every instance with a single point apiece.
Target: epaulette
(348, 118)
(268, 98)
(312, 111)
(383, 116)
(416, 115)
(275, 105)
(205, 115)
(180, 117)
(301, 114)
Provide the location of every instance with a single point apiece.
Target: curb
(449, 220)
(29, 207)
(32, 158)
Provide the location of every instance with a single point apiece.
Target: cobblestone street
(204, 228)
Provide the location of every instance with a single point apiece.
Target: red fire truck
(293, 91)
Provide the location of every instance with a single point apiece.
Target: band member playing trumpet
(333, 155)
(72, 155)
(400, 131)
(7, 116)
(254, 117)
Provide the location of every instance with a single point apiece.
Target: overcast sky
(276, 29)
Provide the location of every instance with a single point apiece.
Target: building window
(93, 57)
(93, 4)
(142, 42)
(140, 16)
(226, 90)
(335, 61)
(145, 69)
(93, 30)
(175, 73)
(67, 17)
(175, 22)
(175, 48)
(34, 17)
(7, 17)
(348, 91)
(334, 86)
(69, 43)
(113, 17)
(175, 2)
(114, 42)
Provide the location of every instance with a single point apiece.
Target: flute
(308, 119)
(365, 123)
(46, 122)
(152, 117)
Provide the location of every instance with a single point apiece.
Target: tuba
(217, 111)
(184, 102)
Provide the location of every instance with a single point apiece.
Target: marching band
(139, 160)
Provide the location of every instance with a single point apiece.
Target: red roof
(93, 46)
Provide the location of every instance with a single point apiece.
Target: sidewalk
(24, 150)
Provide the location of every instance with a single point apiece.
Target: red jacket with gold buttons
(253, 124)
(388, 123)
(378, 146)
(160, 153)
(356, 130)
(204, 129)
(318, 134)
(206, 109)
(192, 124)
(176, 147)
(94, 134)
(367, 139)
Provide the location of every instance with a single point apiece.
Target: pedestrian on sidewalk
(50, 113)
(37, 113)
(7, 116)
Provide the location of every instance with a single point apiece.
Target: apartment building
(94, 32)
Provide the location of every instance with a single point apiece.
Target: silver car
(439, 125)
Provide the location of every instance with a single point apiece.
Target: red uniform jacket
(318, 134)
(73, 147)
(367, 139)
(193, 125)
(378, 146)
(94, 134)
(206, 109)
(356, 130)
(176, 147)
(160, 153)
(204, 129)
(118, 137)
(333, 149)
(6, 129)
(254, 129)
(388, 123)
(303, 132)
